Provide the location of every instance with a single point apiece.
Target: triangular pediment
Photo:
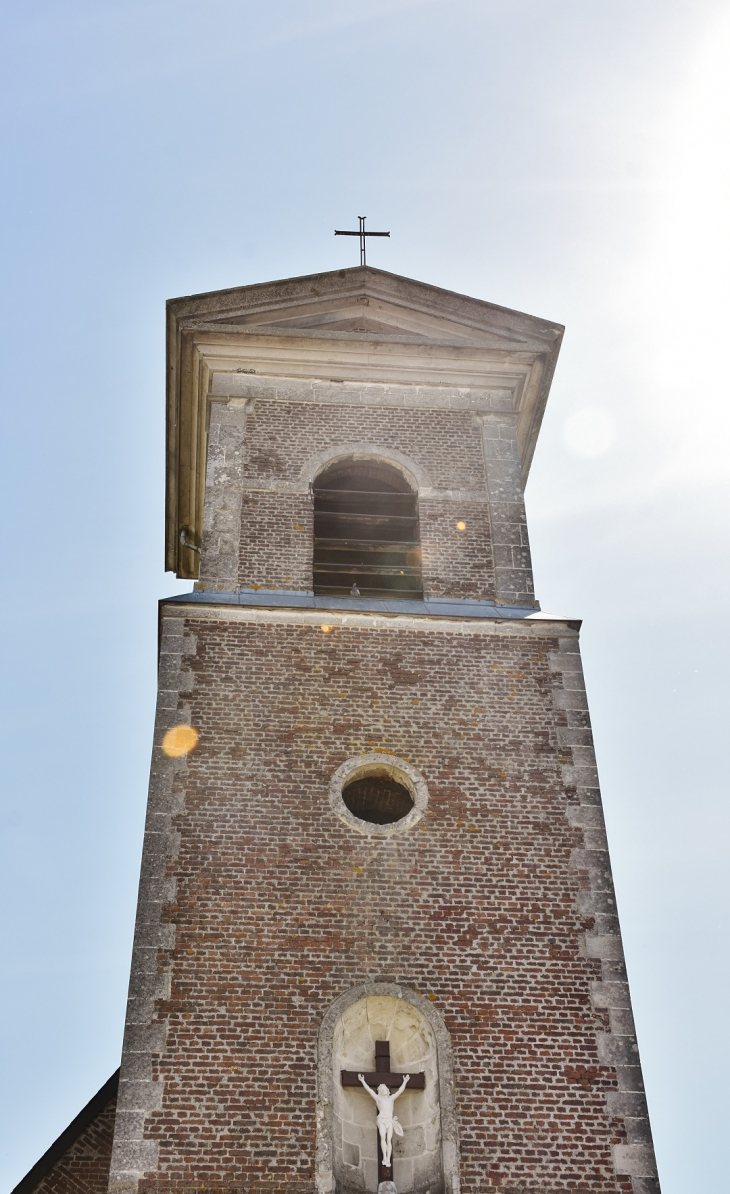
(366, 302)
(344, 321)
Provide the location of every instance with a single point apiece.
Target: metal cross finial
(362, 234)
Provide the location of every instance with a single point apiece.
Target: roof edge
(188, 305)
(69, 1135)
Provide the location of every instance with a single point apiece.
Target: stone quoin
(384, 839)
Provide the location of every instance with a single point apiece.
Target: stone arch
(428, 1161)
(416, 476)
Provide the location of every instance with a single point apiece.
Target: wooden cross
(382, 1074)
(362, 234)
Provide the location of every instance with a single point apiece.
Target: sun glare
(179, 741)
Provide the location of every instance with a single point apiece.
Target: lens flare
(179, 741)
(461, 526)
(326, 629)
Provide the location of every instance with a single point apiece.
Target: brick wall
(282, 436)
(276, 541)
(274, 908)
(84, 1167)
(456, 563)
(261, 452)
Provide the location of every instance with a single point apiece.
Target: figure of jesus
(386, 1121)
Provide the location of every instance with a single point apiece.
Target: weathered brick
(84, 1166)
(280, 907)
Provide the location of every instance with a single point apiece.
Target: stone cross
(382, 1076)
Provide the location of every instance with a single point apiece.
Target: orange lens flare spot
(179, 741)
(326, 629)
(461, 526)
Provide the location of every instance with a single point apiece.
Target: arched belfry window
(366, 536)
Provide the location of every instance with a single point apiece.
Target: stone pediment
(343, 321)
(361, 302)
(360, 326)
(356, 322)
(371, 315)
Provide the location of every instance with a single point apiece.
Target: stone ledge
(443, 607)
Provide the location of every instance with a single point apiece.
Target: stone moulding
(415, 475)
(378, 764)
(324, 1175)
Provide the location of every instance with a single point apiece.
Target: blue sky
(568, 159)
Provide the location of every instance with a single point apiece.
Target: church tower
(374, 842)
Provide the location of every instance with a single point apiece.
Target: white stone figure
(386, 1121)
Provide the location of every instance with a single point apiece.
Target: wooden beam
(392, 1081)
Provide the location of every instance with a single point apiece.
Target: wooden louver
(366, 532)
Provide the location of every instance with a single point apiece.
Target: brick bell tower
(374, 841)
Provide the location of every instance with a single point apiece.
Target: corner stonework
(223, 493)
(140, 1089)
(513, 579)
(617, 1048)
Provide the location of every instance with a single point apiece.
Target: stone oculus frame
(400, 770)
(334, 327)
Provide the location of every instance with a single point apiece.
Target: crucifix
(386, 1121)
(362, 234)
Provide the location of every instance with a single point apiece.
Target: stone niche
(348, 1162)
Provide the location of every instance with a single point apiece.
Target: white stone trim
(376, 763)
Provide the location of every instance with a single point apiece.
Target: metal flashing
(441, 607)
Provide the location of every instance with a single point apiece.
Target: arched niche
(426, 1157)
